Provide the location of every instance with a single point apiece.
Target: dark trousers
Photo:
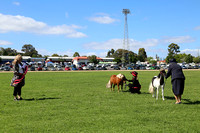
(17, 90)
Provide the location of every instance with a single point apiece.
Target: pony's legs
(121, 87)
(118, 87)
(163, 92)
(154, 92)
(157, 93)
(113, 87)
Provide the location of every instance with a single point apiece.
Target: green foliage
(149, 58)
(93, 59)
(173, 49)
(110, 53)
(129, 56)
(133, 57)
(76, 54)
(79, 102)
(189, 58)
(117, 59)
(142, 54)
(153, 62)
(29, 50)
(55, 55)
(8, 52)
(196, 59)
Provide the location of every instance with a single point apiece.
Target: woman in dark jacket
(177, 79)
(18, 79)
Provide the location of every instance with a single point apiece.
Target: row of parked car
(97, 67)
(89, 67)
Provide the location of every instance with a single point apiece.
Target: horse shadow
(188, 101)
(38, 99)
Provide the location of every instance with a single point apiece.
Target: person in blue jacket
(177, 79)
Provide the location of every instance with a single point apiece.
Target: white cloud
(103, 19)
(194, 52)
(2, 42)
(16, 3)
(197, 28)
(134, 45)
(47, 52)
(26, 24)
(177, 39)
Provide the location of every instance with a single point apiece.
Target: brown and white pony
(118, 80)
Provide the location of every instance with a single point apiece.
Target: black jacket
(175, 71)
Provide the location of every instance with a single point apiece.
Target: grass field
(80, 102)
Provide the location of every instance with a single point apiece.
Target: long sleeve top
(175, 71)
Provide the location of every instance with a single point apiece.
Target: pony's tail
(151, 89)
(108, 84)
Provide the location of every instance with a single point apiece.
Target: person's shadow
(187, 101)
(44, 98)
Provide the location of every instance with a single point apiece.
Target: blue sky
(92, 27)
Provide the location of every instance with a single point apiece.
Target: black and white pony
(156, 83)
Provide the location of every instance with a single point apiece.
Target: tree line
(118, 55)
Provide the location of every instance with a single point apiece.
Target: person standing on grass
(177, 79)
(18, 81)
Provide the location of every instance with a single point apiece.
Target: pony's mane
(120, 76)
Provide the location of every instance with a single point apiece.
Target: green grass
(80, 102)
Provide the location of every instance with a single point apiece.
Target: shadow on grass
(188, 101)
(192, 103)
(135, 92)
(44, 98)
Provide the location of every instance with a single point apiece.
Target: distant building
(61, 59)
(5, 59)
(83, 60)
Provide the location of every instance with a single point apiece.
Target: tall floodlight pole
(125, 56)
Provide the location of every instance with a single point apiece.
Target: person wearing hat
(135, 86)
(177, 79)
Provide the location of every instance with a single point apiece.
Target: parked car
(1, 68)
(85, 68)
(74, 67)
(32, 68)
(114, 67)
(53, 69)
(59, 68)
(6, 68)
(100, 68)
(129, 68)
(67, 68)
(80, 68)
(39, 68)
(45, 68)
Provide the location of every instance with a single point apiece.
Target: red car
(39, 68)
(67, 68)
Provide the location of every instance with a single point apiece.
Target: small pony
(156, 83)
(118, 80)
